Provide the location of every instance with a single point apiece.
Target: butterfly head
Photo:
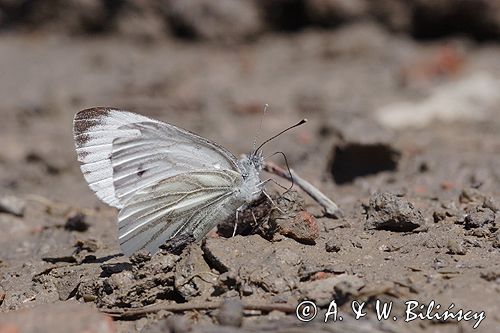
(250, 167)
(251, 164)
(257, 160)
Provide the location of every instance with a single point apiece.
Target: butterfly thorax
(250, 167)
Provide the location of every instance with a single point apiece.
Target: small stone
(89, 298)
(122, 280)
(246, 290)
(226, 281)
(479, 218)
(177, 324)
(60, 257)
(89, 245)
(491, 276)
(332, 245)
(76, 222)
(492, 204)
(439, 215)
(231, 313)
(12, 205)
(496, 240)
(303, 227)
(140, 324)
(140, 257)
(479, 232)
(113, 268)
(469, 195)
(455, 247)
(161, 263)
(357, 244)
(439, 263)
(384, 248)
(386, 211)
(232, 294)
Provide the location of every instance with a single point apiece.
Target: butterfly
(166, 181)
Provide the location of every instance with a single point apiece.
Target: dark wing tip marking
(85, 120)
(92, 113)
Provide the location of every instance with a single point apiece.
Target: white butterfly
(165, 180)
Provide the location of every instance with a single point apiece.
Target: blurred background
(359, 70)
(401, 96)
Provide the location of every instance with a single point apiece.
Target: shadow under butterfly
(168, 183)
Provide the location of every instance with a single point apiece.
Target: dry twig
(140, 312)
(330, 207)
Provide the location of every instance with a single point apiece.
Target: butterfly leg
(253, 216)
(238, 210)
(262, 184)
(272, 202)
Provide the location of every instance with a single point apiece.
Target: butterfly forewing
(189, 203)
(122, 152)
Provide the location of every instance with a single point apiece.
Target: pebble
(479, 218)
(386, 211)
(303, 227)
(177, 324)
(492, 204)
(333, 245)
(496, 240)
(12, 205)
(454, 247)
(231, 313)
(76, 222)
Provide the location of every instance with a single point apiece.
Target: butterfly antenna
(260, 127)
(303, 121)
(287, 167)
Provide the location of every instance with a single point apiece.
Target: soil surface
(403, 135)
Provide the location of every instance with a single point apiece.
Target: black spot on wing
(140, 171)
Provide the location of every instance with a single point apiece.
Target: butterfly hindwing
(189, 203)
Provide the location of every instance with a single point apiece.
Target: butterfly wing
(122, 152)
(189, 203)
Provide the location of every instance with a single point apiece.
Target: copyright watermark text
(414, 310)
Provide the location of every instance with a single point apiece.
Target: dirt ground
(403, 105)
